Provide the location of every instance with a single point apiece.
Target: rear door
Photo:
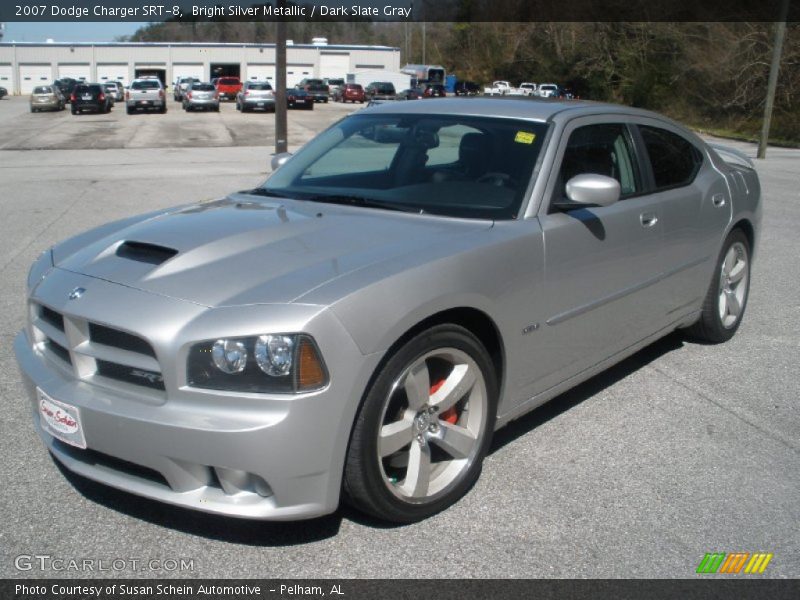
(601, 263)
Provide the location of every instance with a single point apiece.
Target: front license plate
(260, 104)
(145, 101)
(60, 420)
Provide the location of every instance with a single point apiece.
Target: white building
(26, 65)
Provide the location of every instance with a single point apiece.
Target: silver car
(256, 95)
(417, 276)
(201, 96)
(46, 97)
(146, 93)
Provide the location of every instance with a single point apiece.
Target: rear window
(147, 84)
(202, 87)
(83, 88)
(354, 86)
(259, 86)
(42, 90)
(228, 81)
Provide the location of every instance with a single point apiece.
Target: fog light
(274, 354)
(229, 356)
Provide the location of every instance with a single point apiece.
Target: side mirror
(278, 160)
(593, 190)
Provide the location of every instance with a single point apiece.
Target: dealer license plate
(60, 420)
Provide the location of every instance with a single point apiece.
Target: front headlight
(40, 267)
(273, 363)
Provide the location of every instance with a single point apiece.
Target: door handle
(718, 200)
(648, 219)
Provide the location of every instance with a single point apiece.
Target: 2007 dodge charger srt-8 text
(412, 279)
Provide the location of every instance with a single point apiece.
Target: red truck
(228, 87)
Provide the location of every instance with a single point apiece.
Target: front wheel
(424, 427)
(727, 294)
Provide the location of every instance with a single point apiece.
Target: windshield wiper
(350, 200)
(266, 192)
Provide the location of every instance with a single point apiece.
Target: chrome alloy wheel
(431, 425)
(733, 280)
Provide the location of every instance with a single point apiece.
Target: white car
(548, 90)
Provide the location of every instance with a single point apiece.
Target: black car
(297, 98)
(380, 90)
(467, 88)
(66, 85)
(90, 96)
(3, 92)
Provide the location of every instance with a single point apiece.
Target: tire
(74, 112)
(726, 299)
(238, 107)
(163, 109)
(34, 110)
(378, 481)
(129, 110)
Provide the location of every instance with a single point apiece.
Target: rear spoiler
(732, 155)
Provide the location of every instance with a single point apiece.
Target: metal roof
(199, 45)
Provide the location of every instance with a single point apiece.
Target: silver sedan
(414, 278)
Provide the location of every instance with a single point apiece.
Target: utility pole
(772, 83)
(424, 42)
(281, 126)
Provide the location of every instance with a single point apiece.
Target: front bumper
(257, 456)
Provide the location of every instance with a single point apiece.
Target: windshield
(460, 166)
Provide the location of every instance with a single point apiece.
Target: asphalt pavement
(680, 450)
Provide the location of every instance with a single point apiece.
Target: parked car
(3, 92)
(146, 94)
(297, 98)
(334, 85)
(432, 90)
(349, 92)
(409, 94)
(527, 88)
(316, 88)
(46, 97)
(115, 90)
(228, 87)
(380, 90)
(180, 86)
(549, 90)
(416, 277)
(66, 85)
(256, 95)
(91, 97)
(467, 88)
(201, 96)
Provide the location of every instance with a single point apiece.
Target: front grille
(151, 379)
(52, 317)
(111, 354)
(99, 459)
(115, 338)
(59, 351)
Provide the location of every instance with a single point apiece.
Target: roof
(322, 47)
(534, 109)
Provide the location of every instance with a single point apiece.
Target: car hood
(242, 250)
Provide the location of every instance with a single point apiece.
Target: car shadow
(277, 534)
(591, 387)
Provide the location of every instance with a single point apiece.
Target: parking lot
(680, 450)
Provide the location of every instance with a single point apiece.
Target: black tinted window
(601, 150)
(145, 85)
(203, 87)
(259, 86)
(675, 160)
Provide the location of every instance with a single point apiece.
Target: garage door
(334, 66)
(193, 70)
(7, 78)
(76, 71)
(32, 75)
(296, 73)
(261, 73)
(112, 72)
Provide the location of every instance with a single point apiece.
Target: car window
(147, 84)
(202, 87)
(259, 86)
(675, 160)
(602, 149)
(228, 81)
(42, 90)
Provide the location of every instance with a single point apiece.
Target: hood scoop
(145, 253)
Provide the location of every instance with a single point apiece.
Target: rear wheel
(727, 294)
(424, 427)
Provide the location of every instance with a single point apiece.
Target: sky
(67, 32)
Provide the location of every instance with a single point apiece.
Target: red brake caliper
(450, 415)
